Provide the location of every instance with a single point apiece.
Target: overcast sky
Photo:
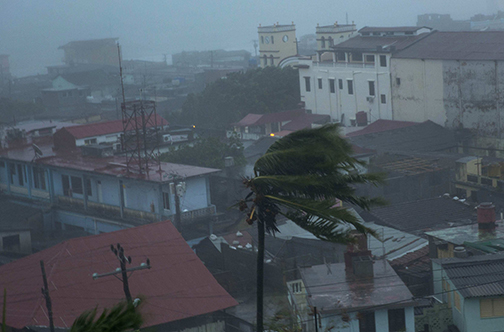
(31, 31)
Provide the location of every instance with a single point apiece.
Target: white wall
(419, 96)
(322, 101)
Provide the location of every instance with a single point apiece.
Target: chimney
(486, 216)
(460, 252)
(356, 249)
(362, 266)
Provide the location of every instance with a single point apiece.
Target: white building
(354, 76)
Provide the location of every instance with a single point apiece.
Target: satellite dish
(38, 151)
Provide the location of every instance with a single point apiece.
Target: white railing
(344, 65)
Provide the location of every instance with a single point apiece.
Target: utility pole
(178, 189)
(119, 252)
(45, 292)
(316, 319)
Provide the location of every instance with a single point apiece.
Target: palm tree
(302, 177)
(122, 317)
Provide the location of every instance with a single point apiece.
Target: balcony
(359, 65)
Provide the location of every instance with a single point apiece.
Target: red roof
(108, 127)
(382, 125)
(177, 286)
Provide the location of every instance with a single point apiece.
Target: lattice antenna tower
(140, 138)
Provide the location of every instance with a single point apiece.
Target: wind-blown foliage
(122, 317)
(207, 152)
(229, 99)
(303, 177)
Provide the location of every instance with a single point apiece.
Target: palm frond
(122, 317)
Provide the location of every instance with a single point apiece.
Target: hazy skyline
(32, 31)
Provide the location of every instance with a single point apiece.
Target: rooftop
(391, 29)
(423, 215)
(108, 127)
(479, 276)
(375, 43)
(469, 233)
(401, 136)
(331, 289)
(260, 119)
(177, 286)
(37, 125)
(86, 44)
(459, 45)
(91, 78)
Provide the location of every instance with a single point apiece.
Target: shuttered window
(456, 300)
(492, 308)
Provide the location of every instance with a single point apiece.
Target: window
(396, 320)
(166, 201)
(12, 171)
(356, 56)
(76, 185)
(265, 58)
(486, 181)
(65, 183)
(456, 300)
(398, 81)
(322, 41)
(383, 61)
(39, 181)
(341, 56)
(331, 41)
(296, 287)
(89, 190)
(90, 141)
(367, 321)
(370, 58)
(350, 87)
(262, 39)
(332, 88)
(446, 290)
(272, 40)
(11, 243)
(371, 88)
(383, 99)
(20, 170)
(319, 83)
(340, 84)
(272, 61)
(307, 84)
(492, 307)
(472, 178)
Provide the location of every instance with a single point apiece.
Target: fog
(32, 31)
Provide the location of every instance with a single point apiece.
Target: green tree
(122, 317)
(302, 177)
(207, 152)
(229, 99)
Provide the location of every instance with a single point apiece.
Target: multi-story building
(354, 76)
(330, 35)
(90, 189)
(276, 42)
(95, 51)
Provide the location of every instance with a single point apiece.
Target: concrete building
(89, 189)
(276, 42)
(453, 79)
(354, 76)
(95, 51)
(330, 35)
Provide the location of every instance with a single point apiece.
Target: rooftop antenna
(121, 72)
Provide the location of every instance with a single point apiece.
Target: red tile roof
(177, 286)
(108, 127)
(382, 125)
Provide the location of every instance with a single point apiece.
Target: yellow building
(330, 35)
(472, 174)
(276, 42)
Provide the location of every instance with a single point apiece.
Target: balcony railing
(343, 64)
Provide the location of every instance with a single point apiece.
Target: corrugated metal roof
(381, 125)
(372, 42)
(260, 119)
(391, 29)
(457, 45)
(477, 277)
(177, 286)
(108, 127)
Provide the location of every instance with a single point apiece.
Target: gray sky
(31, 31)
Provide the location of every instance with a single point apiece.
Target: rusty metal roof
(260, 119)
(178, 285)
(108, 127)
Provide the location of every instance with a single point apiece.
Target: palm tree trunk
(260, 275)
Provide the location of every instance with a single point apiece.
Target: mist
(32, 31)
